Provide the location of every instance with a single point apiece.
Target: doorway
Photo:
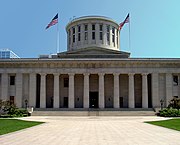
(93, 100)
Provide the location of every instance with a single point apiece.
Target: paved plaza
(93, 131)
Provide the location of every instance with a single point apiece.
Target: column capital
(116, 74)
(101, 74)
(71, 74)
(144, 74)
(43, 74)
(86, 74)
(131, 74)
(56, 74)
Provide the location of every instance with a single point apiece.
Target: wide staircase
(94, 112)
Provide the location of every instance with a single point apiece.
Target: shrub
(11, 110)
(169, 112)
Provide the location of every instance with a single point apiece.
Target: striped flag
(53, 21)
(125, 21)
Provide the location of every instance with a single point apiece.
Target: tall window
(100, 32)
(93, 32)
(175, 80)
(113, 34)
(79, 33)
(108, 28)
(12, 80)
(69, 37)
(73, 34)
(85, 32)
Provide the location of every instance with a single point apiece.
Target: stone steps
(94, 112)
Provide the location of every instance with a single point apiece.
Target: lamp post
(161, 102)
(26, 103)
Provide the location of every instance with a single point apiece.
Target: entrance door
(93, 100)
(65, 102)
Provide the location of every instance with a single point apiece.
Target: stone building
(92, 73)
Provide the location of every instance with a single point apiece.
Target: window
(66, 82)
(113, 36)
(73, 34)
(12, 80)
(108, 27)
(100, 32)
(175, 80)
(93, 32)
(85, 32)
(79, 33)
(93, 26)
(69, 37)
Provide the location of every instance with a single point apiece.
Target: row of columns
(131, 98)
(86, 91)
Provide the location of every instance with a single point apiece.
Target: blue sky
(154, 25)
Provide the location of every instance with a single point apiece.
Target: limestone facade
(93, 73)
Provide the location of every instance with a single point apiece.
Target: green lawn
(11, 125)
(172, 123)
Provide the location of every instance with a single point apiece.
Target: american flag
(125, 21)
(53, 21)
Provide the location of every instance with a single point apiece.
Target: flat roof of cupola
(91, 17)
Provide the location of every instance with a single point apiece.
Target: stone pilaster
(155, 90)
(43, 91)
(101, 90)
(18, 97)
(104, 34)
(110, 36)
(4, 85)
(89, 33)
(56, 90)
(116, 90)
(131, 101)
(86, 91)
(71, 90)
(168, 88)
(32, 90)
(144, 91)
(97, 33)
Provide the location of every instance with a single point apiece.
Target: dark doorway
(65, 102)
(93, 100)
(121, 102)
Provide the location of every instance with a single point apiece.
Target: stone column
(101, 90)
(104, 34)
(18, 97)
(32, 90)
(56, 90)
(89, 33)
(155, 90)
(43, 91)
(116, 90)
(115, 37)
(97, 33)
(144, 91)
(71, 90)
(110, 36)
(131, 101)
(86, 91)
(168, 88)
(4, 86)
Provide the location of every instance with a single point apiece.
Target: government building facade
(92, 73)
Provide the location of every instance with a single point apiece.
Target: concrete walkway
(93, 131)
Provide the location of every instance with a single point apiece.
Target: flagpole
(57, 49)
(129, 33)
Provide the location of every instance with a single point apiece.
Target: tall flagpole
(57, 49)
(129, 33)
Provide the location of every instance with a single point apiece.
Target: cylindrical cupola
(92, 31)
